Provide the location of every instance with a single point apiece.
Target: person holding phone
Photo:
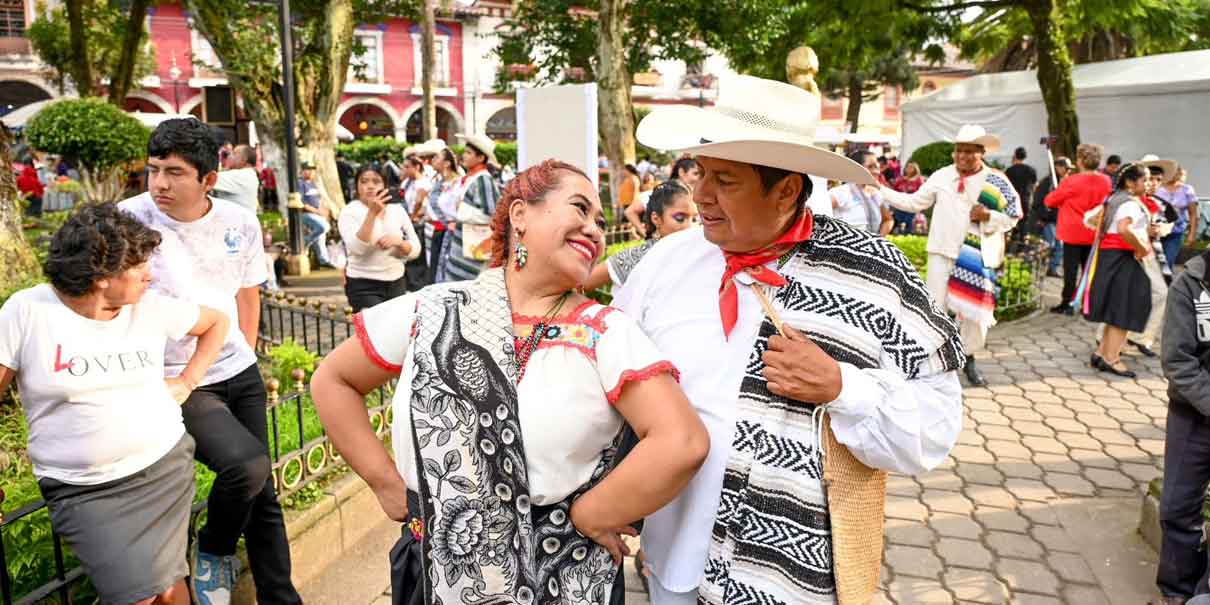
(379, 238)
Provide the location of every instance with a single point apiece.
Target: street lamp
(299, 264)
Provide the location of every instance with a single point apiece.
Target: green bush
(103, 138)
(933, 156)
(914, 247)
(369, 149)
(287, 357)
(506, 154)
(273, 224)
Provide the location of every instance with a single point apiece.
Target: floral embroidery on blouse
(576, 330)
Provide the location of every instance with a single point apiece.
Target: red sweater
(1076, 195)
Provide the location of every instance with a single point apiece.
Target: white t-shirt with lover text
(93, 391)
(206, 262)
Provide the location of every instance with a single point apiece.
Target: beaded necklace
(531, 344)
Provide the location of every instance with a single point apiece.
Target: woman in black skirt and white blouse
(1118, 292)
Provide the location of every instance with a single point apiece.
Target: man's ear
(789, 189)
(209, 181)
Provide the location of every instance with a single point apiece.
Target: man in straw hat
(811, 350)
(974, 206)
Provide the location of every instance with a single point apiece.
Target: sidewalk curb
(1149, 521)
(320, 535)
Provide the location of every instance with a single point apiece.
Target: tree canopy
(106, 29)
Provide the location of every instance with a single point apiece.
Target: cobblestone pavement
(1039, 501)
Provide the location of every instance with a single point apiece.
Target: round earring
(520, 253)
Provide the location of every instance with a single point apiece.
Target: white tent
(1133, 107)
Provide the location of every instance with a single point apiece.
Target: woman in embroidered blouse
(379, 238)
(670, 209)
(443, 205)
(512, 396)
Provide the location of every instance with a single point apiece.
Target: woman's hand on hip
(610, 538)
(392, 496)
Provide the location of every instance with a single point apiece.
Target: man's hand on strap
(796, 368)
(980, 213)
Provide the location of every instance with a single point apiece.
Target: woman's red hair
(531, 186)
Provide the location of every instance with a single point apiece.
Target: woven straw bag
(856, 504)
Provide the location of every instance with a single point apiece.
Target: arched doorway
(19, 93)
(447, 125)
(142, 105)
(365, 120)
(502, 126)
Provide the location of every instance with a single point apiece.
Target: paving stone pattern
(981, 527)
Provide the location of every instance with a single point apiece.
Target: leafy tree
(1052, 34)
(101, 137)
(111, 42)
(245, 40)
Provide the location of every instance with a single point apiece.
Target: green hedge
(933, 156)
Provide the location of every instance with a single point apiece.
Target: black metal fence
(1020, 279)
(298, 446)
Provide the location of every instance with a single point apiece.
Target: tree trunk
(1054, 76)
(615, 109)
(274, 157)
(123, 77)
(319, 85)
(321, 148)
(81, 71)
(428, 111)
(853, 115)
(16, 255)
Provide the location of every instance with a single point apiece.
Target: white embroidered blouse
(565, 396)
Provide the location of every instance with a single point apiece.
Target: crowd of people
(764, 340)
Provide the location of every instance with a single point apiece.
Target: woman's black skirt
(1120, 294)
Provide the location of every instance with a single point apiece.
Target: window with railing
(12, 19)
(441, 59)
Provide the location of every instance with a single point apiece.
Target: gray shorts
(131, 533)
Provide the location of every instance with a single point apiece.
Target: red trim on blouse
(640, 375)
(1114, 241)
(569, 317)
(363, 337)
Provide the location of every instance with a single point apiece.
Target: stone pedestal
(298, 265)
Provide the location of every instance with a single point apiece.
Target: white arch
(188, 106)
(399, 124)
(32, 81)
(150, 98)
(459, 121)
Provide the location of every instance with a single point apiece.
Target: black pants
(1074, 258)
(365, 293)
(435, 252)
(419, 273)
(1183, 560)
(227, 420)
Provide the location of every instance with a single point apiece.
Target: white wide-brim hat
(485, 145)
(1168, 166)
(754, 121)
(975, 134)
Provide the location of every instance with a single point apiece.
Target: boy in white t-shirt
(108, 447)
(212, 253)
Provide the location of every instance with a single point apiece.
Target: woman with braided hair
(1116, 290)
(669, 210)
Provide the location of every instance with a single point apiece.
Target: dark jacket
(1040, 211)
(1186, 340)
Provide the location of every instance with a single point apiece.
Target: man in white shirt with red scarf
(791, 331)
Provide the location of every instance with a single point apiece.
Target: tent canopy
(1132, 107)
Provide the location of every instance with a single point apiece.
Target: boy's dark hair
(1114, 159)
(189, 139)
(96, 242)
(1019, 154)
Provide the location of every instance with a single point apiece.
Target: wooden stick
(768, 307)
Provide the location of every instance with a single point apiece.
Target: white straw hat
(485, 145)
(755, 121)
(1168, 166)
(974, 134)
